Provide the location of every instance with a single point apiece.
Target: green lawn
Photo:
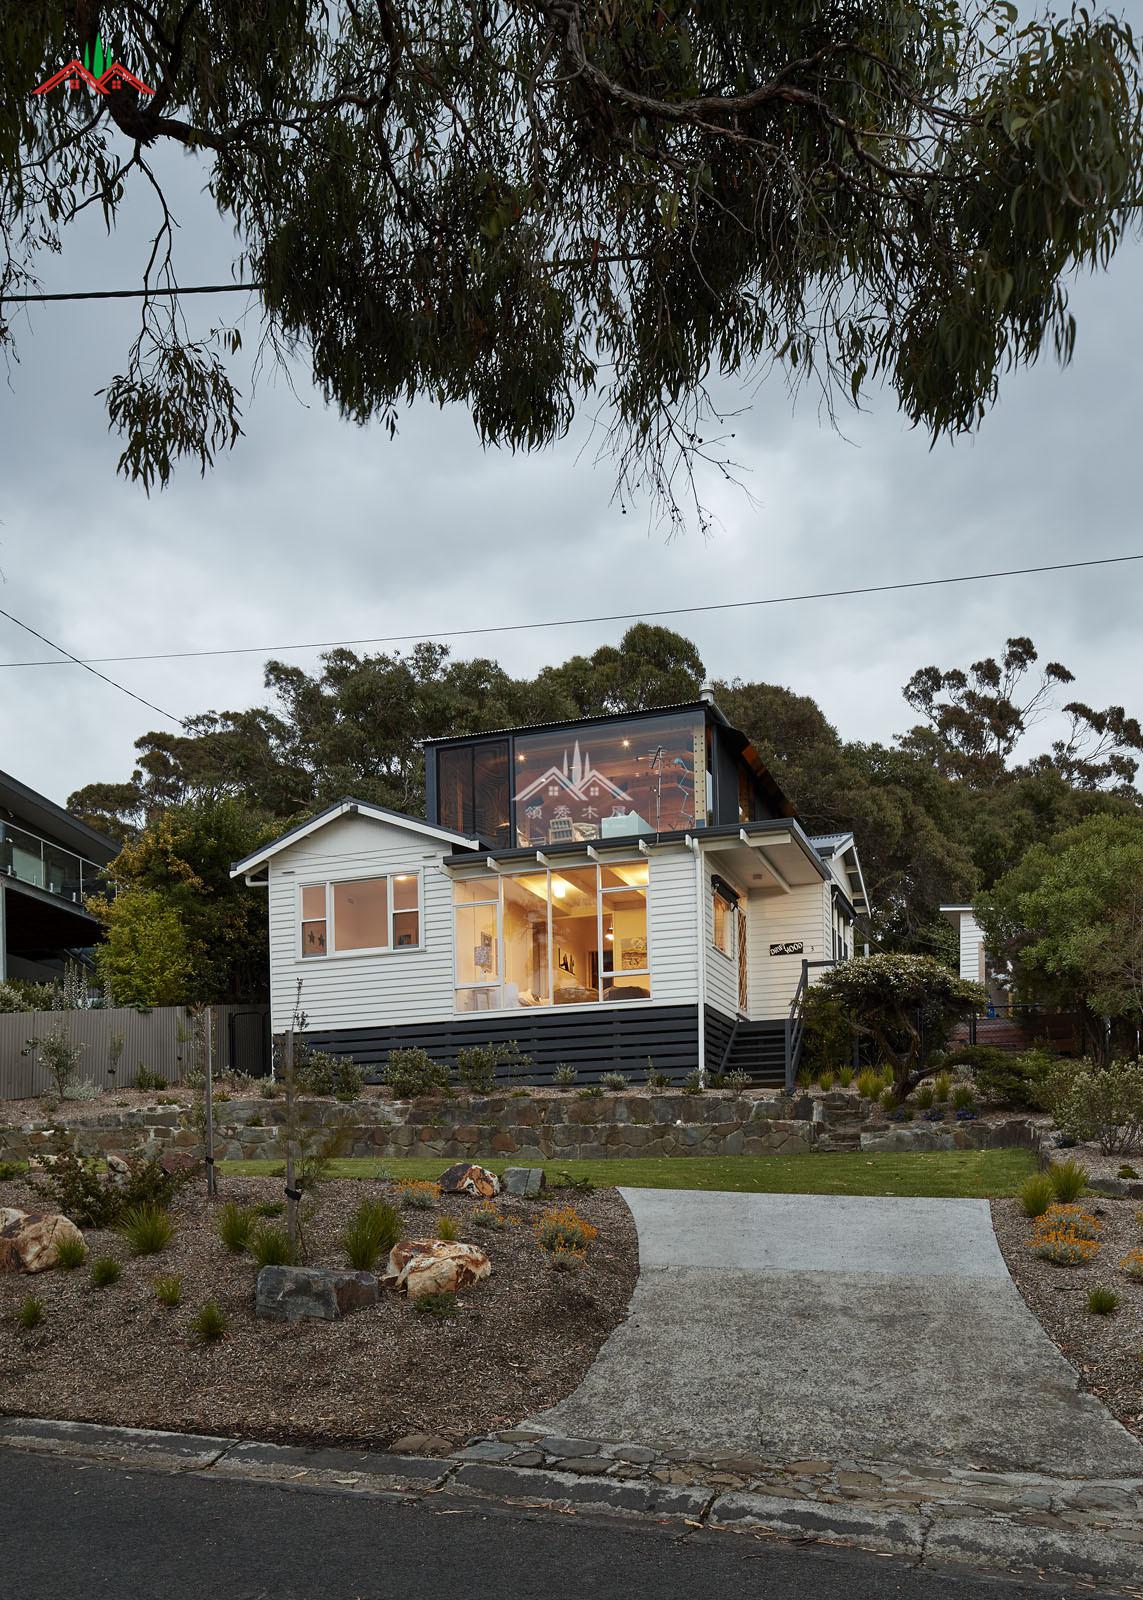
(970, 1174)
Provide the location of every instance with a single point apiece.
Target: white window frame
(495, 897)
(332, 953)
(731, 923)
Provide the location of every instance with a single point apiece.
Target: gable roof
(345, 808)
(829, 845)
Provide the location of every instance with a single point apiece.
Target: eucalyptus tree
(543, 207)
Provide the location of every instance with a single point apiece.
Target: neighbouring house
(50, 862)
(1004, 1021)
(605, 893)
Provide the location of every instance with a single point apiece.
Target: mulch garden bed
(1106, 1351)
(523, 1339)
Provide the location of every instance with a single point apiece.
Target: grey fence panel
(159, 1041)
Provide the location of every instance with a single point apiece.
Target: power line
(130, 294)
(150, 704)
(575, 622)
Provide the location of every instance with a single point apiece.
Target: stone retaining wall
(549, 1128)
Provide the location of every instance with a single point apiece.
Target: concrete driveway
(795, 1326)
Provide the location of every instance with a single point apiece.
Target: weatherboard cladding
(407, 987)
(803, 914)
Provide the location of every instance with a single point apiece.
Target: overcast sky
(316, 529)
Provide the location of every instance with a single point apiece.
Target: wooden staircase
(758, 1048)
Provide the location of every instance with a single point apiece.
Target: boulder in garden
(435, 1266)
(527, 1181)
(30, 1240)
(299, 1294)
(465, 1179)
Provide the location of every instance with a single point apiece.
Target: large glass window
(610, 780)
(379, 913)
(472, 790)
(552, 936)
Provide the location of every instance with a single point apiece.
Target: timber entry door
(743, 990)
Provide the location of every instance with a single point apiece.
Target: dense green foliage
(532, 207)
(1069, 917)
(904, 1005)
(1100, 1103)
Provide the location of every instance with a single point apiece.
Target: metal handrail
(796, 1021)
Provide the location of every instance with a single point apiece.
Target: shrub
(447, 1229)
(1132, 1265)
(235, 1225)
(1100, 1103)
(1074, 1219)
(476, 1067)
(487, 1215)
(270, 1088)
(82, 1089)
(737, 1080)
(963, 1098)
(321, 1072)
(71, 1253)
(825, 1081)
(169, 1290)
(925, 1097)
(209, 1322)
(147, 1229)
(1126, 1170)
(1068, 1179)
(888, 1098)
(31, 1313)
(58, 1054)
(413, 1072)
(12, 1169)
(592, 1092)
(657, 1079)
(105, 1271)
(869, 1084)
(145, 1079)
(566, 1260)
(1036, 1194)
(564, 1180)
(1063, 1248)
(976, 1058)
(562, 1228)
(417, 1194)
(441, 1306)
(1102, 1302)
(270, 1208)
(614, 1080)
(692, 1083)
(370, 1233)
(905, 1005)
(565, 1075)
(845, 1076)
(270, 1247)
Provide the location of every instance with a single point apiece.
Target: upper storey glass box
(656, 772)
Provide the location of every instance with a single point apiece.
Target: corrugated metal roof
(826, 843)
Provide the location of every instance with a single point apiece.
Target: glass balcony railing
(37, 861)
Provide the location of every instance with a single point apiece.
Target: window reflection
(610, 780)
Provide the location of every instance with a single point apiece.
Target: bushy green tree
(1069, 918)
(532, 208)
(180, 930)
(905, 1005)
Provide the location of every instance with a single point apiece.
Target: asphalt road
(73, 1531)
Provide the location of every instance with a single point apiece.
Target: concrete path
(822, 1326)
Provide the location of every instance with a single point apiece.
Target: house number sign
(792, 947)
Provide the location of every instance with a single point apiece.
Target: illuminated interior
(552, 936)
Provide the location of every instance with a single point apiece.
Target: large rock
(295, 1294)
(435, 1266)
(30, 1240)
(529, 1181)
(465, 1179)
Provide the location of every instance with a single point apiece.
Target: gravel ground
(1096, 1164)
(522, 1341)
(1106, 1351)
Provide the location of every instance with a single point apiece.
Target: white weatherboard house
(604, 893)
